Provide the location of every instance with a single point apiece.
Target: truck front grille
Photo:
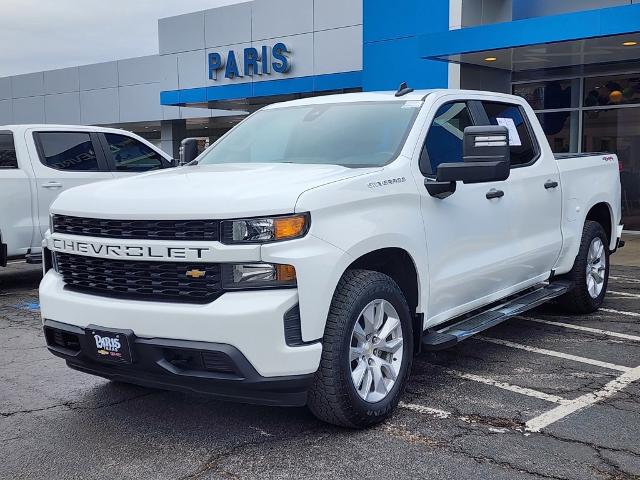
(140, 280)
(194, 230)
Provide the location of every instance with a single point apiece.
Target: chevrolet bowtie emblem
(195, 273)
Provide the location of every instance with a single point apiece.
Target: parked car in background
(38, 162)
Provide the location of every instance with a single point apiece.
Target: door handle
(493, 193)
(550, 184)
(52, 185)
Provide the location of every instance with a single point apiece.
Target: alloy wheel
(376, 350)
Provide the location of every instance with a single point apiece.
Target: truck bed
(587, 179)
(562, 156)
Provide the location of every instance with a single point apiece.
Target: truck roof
(386, 96)
(48, 126)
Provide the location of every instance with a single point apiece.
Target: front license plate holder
(107, 345)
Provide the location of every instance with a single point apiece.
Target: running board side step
(469, 326)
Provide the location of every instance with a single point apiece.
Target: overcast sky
(40, 35)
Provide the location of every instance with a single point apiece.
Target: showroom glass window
(68, 151)
(131, 155)
(556, 103)
(590, 114)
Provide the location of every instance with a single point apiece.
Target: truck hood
(198, 192)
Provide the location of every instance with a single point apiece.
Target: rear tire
(590, 272)
(368, 341)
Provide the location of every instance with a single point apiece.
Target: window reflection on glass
(612, 90)
(618, 131)
(68, 151)
(548, 95)
(130, 155)
(444, 140)
(558, 127)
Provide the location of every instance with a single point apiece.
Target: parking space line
(619, 312)
(624, 279)
(553, 353)
(434, 412)
(512, 388)
(634, 338)
(561, 411)
(624, 294)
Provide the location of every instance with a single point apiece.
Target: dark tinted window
(130, 155)
(523, 150)
(68, 151)
(444, 140)
(8, 157)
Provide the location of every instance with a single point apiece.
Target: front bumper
(213, 369)
(251, 322)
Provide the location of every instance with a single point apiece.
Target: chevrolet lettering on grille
(131, 252)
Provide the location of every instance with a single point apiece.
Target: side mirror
(188, 150)
(486, 154)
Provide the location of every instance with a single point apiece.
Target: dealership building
(577, 62)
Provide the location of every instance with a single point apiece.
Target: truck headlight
(264, 230)
(240, 276)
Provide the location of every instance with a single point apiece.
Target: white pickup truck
(312, 251)
(38, 162)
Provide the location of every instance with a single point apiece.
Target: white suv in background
(38, 162)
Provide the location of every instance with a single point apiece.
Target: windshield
(348, 134)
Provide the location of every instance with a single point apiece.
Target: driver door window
(444, 139)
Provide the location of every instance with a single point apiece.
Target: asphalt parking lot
(544, 396)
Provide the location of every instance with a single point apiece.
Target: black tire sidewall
(592, 231)
(391, 293)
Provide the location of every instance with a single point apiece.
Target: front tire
(590, 272)
(367, 352)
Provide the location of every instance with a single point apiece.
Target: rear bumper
(619, 241)
(213, 369)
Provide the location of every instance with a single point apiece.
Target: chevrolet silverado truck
(38, 162)
(308, 255)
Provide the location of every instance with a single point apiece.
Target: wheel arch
(602, 213)
(398, 264)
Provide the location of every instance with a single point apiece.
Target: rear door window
(71, 151)
(523, 148)
(8, 157)
(131, 155)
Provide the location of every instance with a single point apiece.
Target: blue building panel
(386, 20)
(391, 62)
(228, 92)
(310, 84)
(283, 87)
(532, 31)
(391, 48)
(337, 81)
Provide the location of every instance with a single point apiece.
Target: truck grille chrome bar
(193, 230)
